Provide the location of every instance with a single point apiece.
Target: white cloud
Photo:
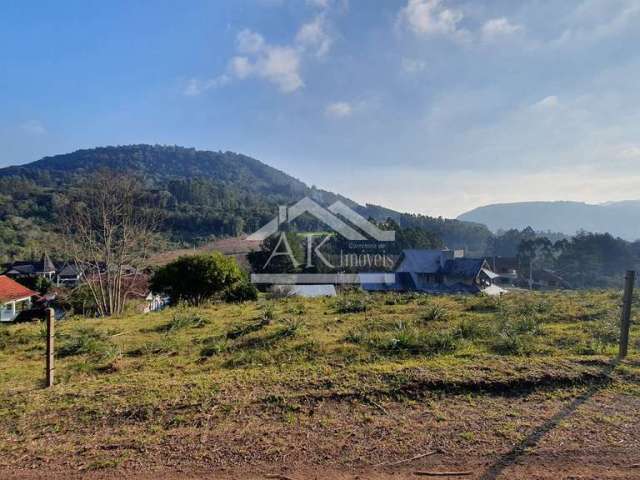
(278, 64)
(281, 66)
(339, 109)
(594, 20)
(249, 42)
(413, 65)
(319, 3)
(547, 103)
(34, 127)
(499, 27)
(196, 86)
(241, 67)
(314, 35)
(431, 17)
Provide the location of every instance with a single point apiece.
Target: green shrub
(605, 331)
(5, 337)
(527, 325)
(350, 304)
(82, 341)
(289, 328)
(269, 313)
(435, 313)
(183, 319)
(195, 279)
(241, 292)
(406, 339)
(214, 346)
(470, 329)
(100, 351)
(509, 343)
(245, 329)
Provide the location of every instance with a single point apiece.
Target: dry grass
(181, 368)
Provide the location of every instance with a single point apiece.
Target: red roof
(11, 290)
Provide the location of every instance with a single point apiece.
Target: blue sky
(420, 105)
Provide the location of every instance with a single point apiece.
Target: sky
(425, 106)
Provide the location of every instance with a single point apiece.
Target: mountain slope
(202, 194)
(618, 218)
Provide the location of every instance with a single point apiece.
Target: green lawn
(149, 376)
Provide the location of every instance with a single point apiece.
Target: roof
(44, 265)
(69, 270)
(463, 267)
(11, 290)
(489, 273)
(420, 261)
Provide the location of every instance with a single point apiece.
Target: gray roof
(420, 261)
(464, 267)
(69, 270)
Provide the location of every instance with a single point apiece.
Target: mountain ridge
(619, 218)
(203, 193)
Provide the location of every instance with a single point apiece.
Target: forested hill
(202, 195)
(158, 163)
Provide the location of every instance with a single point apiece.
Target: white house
(14, 298)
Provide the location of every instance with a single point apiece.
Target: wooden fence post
(50, 319)
(625, 320)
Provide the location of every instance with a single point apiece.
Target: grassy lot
(244, 384)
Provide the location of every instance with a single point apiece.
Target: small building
(14, 298)
(68, 276)
(506, 270)
(437, 272)
(38, 268)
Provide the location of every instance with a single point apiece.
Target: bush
(350, 304)
(183, 319)
(516, 336)
(82, 341)
(197, 278)
(469, 330)
(435, 313)
(214, 346)
(405, 338)
(241, 292)
(101, 352)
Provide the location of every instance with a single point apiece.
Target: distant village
(28, 286)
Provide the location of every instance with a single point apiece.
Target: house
(422, 269)
(14, 298)
(506, 269)
(39, 268)
(68, 275)
(62, 275)
(467, 274)
(437, 272)
(155, 302)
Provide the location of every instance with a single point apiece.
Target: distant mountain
(202, 194)
(617, 218)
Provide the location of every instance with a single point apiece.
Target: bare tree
(109, 230)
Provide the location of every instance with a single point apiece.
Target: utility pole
(50, 360)
(625, 320)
